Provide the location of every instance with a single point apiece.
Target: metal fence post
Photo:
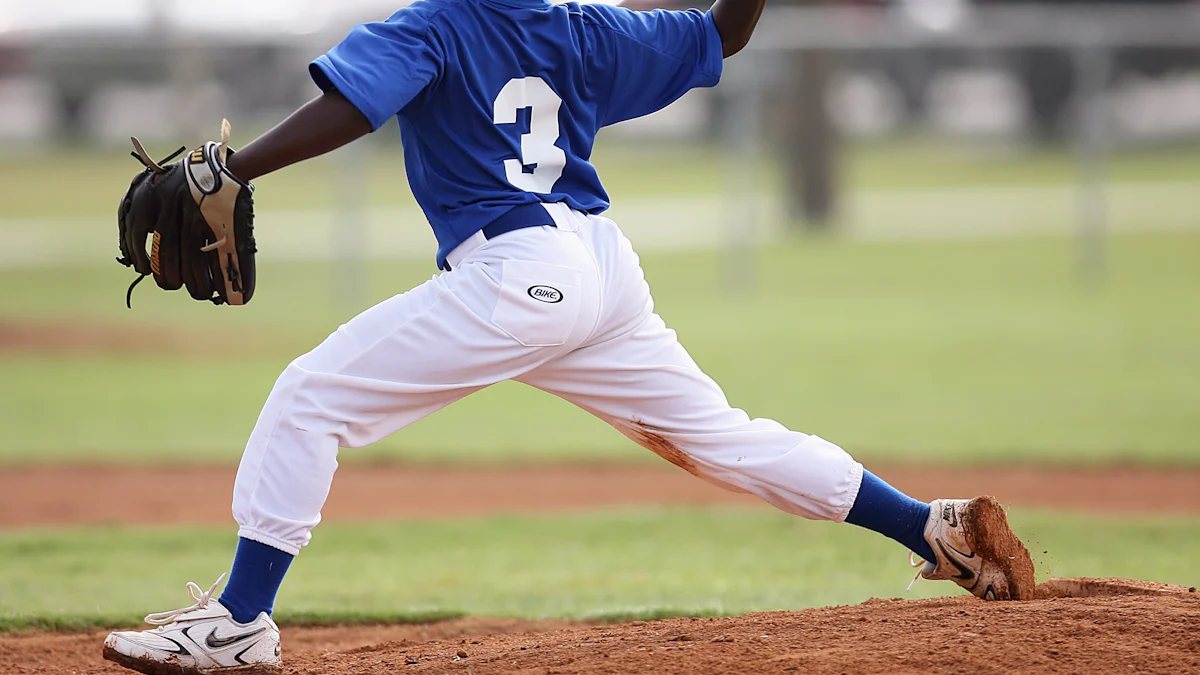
(349, 232)
(1093, 65)
(739, 230)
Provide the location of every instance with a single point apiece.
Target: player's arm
(735, 20)
(323, 124)
(366, 79)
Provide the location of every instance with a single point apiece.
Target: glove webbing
(139, 153)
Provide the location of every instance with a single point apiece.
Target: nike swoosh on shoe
(214, 642)
(949, 515)
(179, 649)
(964, 572)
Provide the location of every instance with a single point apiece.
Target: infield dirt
(1101, 627)
(86, 495)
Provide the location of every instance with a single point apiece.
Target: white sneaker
(199, 640)
(976, 549)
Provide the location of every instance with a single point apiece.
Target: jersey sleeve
(652, 58)
(380, 67)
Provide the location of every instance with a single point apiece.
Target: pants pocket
(539, 302)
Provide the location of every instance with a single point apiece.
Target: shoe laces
(164, 618)
(914, 561)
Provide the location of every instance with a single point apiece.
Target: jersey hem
(519, 217)
(323, 72)
(715, 61)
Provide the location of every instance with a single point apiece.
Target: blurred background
(861, 171)
(942, 233)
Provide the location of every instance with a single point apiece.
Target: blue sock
(257, 573)
(884, 509)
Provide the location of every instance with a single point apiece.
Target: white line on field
(672, 222)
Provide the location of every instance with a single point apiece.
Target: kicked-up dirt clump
(986, 525)
(1094, 626)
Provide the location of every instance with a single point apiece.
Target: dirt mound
(1078, 626)
(57, 653)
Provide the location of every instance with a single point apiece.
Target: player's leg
(390, 366)
(646, 385)
(374, 375)
(636, 375)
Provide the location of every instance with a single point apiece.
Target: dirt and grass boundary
(1101, 627)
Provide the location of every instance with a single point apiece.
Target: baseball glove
(200, 218)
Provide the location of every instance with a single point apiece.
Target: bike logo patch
(545, 294)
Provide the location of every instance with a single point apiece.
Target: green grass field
(603, 565)
(968, 351)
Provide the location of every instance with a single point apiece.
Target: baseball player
(499, 103)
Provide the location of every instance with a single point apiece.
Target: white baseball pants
(566, 310)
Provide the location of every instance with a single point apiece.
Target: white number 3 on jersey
(538, 147)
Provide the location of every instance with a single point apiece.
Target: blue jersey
(499, 101)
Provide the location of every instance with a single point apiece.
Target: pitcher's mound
(1094, 626)
(1076, 626)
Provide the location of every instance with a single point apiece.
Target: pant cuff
(273, 542)
(855, 479)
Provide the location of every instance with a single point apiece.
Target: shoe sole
(986, 527)
(167, 668)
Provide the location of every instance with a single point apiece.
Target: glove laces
(164, 618)
(139, 153)
(914, 561)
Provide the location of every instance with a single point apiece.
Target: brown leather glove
(200, 219)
